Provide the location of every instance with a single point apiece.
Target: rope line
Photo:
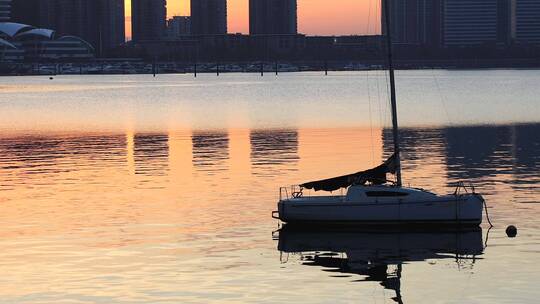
(487, 214)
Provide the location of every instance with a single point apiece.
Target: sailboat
(373, 200)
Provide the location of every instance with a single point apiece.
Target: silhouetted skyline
(315, 17)
(433, 30)
(464, 23)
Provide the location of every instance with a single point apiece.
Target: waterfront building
(209, 17)
(21, 41)
(450, 23)
(148, 19)
(179, 26)
(26, 11)
(99, 22)
(414, 22)
(112, 29)
(470, 22)
(526, 22)
(273, 17)
(5, 10)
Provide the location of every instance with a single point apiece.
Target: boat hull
(463, 210)
(383, 242)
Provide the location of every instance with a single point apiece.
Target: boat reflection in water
(378, 255)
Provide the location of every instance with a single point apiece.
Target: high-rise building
(526, 21)
(450, 23)
(179, 26)
(414, 22)
(112, 23)
(209, 17)
(99, 22)
(5, 10)
(504, 22)
(45, 16)
(470, 22)
(148, 19)
(26, 12)
(270, 17)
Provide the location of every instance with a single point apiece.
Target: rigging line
(388, 94)
(441, 96)
(386, 99)
(378, 76)
(368, 18)
(387, 76)
(368, 26)
(370, 119)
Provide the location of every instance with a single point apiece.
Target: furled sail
(375, 176)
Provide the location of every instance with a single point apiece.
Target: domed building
(22, 42)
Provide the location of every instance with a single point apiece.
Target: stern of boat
(286, 194)
(472, 208)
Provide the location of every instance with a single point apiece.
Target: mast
(392, 91)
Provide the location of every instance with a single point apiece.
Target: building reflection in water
(508, 155)
(413, 143)
(379, 255)
(31, 155)
(526, 156)
(480, 154)
(151, 154)
(273, 151)
(422, 154)
(55, 154)
(210, 151)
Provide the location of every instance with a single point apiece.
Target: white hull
(416, 207)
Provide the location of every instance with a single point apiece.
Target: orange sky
(314, 16)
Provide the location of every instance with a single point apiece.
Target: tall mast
(392, 90)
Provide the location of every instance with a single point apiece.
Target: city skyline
(315, 17)
(435, 29)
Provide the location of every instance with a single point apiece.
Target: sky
(315, 17)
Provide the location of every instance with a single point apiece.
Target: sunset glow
(315, 17)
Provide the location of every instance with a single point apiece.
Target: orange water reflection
(90, 181)
(180, 211)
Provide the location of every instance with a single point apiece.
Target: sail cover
(376, 176)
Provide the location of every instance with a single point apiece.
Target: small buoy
(511, 231)
(50, 78)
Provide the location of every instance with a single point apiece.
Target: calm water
(130, 189)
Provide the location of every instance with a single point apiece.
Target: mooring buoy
(511, 231)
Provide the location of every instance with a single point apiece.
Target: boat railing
(464, 188)
(294, 191)
(283, 193)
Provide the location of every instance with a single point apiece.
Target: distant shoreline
(135, 67)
